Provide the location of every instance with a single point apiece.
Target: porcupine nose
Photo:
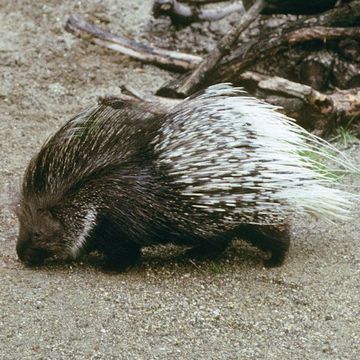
(29, 254)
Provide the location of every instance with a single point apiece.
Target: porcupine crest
(237, 157)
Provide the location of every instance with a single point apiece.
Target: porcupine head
(217, 160)
(76, 179)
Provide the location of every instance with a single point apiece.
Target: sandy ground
(167, 307)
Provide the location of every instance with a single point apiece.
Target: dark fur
(136, 202)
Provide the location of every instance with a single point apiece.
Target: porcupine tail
(237, 155)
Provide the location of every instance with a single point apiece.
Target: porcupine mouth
(34, 256)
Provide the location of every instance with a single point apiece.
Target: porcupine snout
(27, 251)
(40, 236)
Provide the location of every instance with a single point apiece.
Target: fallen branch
(266, 45)
(241, 58)
(322, 111)
(321, 33)
(152, 104)
(87, 31)
(347, 102)
(185, 14)
(203, 2)
(249, 54)
(341, 105)
(316, 99)
(164, 102)
(294, 6)
(188, 85)
(311, 28)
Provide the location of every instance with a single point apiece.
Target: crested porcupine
(219, 165)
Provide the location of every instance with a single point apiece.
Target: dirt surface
(167, 307)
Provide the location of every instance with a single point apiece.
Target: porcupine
(219, 165)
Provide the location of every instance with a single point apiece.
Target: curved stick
(180, 61)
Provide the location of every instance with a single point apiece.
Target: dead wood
(249, 54)
(193, 82)
(302, 101)
(151, 54)
(294, 6)
(245, 55)
(203, 2)
(322, 33)
(164, 102)
(268, 45)
(185, 14)
(129, 96)
(265, 45)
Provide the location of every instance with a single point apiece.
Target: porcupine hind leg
(275, 239)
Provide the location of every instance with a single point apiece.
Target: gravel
(167, 306)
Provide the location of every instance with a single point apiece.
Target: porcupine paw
(276, 259)
(276, 240)
(269, 238)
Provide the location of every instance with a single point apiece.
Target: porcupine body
(219, 165)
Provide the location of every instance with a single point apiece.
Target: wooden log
(298, 99)
(294, 6)
(269, 44)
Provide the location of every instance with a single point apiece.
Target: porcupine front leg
(119, 252)
(275, 239)
(119, 258)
